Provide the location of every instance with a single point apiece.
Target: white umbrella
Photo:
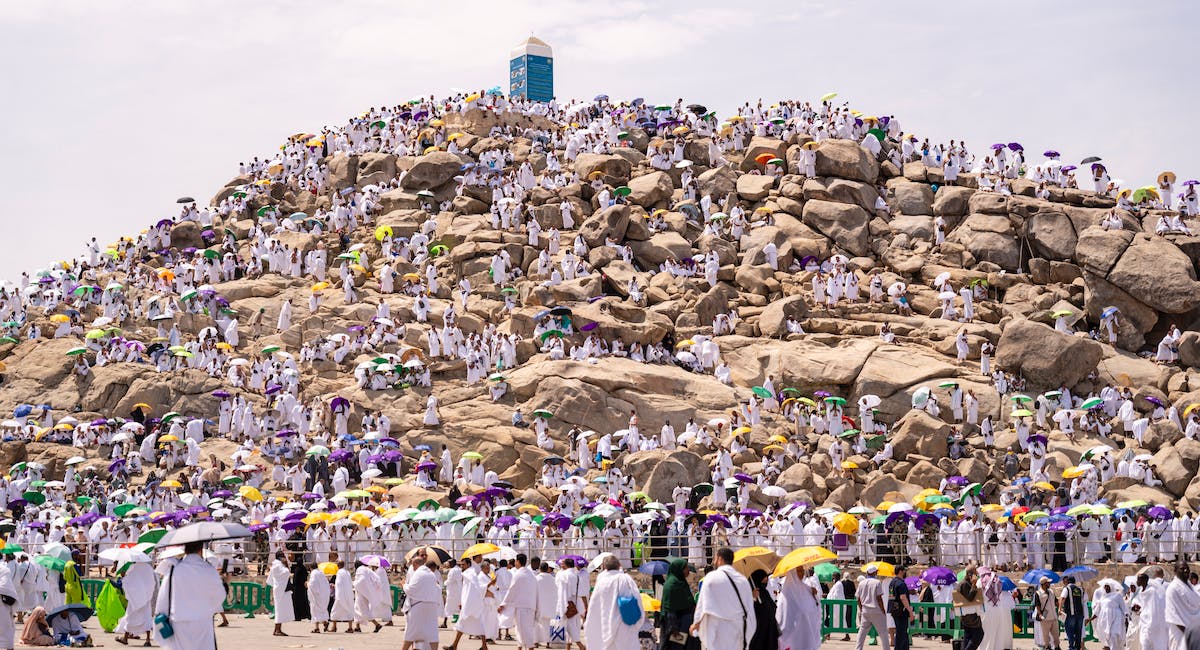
(897, 289)
(774, 491)
(372, 473)
(685, 356)
(947, 295)
(900, 507)
(598, 560)
(204, 531)
(920, 396)
(941, 278)
(869, 401)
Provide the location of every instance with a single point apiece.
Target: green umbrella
(1021, 398)
(849, 433)
(1091, 403)
(825, 572)
(834, 399)
(878, 519)
(622, 191)
(73, 352)
(551, 333)
(879, 134)
(152, 536)
(270, 349)
(589, 520)
(761, 392)
(52, 563)
(543, 413)
(211, 253)
(438, 249)
(9, 339)
(84, 501)
(36, 498)
(124, 509)
(11, 549)
(509, 291)
(792, 391)
(702, 489)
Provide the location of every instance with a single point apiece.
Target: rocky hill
(1035, 255)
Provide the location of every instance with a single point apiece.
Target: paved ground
(255, 634)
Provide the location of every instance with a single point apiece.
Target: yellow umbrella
(436, 122)
(884, 569)
(991, 507)
(321, 286)
(1190, 407)
(650, 603)
(1072, 472)
(412, 277)
(849, 464)
(810, 145)
(316, 518)
(432, 149)
(60, 318)
(680, 130)
(480, 549)
(472, 97)
(805, 556)
(383, 232)
(328, 568)
(1043, 485)
(168, 438)
(845, 523)
(530, 509)
(741, 430)
(454, 136)
(749, 560)
(778, 438)
(770, 448)
(361, 518)
(171, 484)
(884, 505)
(250, 493)
(377, 489)
(923, 494)
(1169, 177)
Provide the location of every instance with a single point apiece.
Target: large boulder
(1189, 349)
(1051, 235)
(1045, 356)
(1159, 274)
(431, 170)
(952, 201)
(911, 198)
(650, 189)
(612, 221)
(1097, 249)
(845, 159)
(772, 321)
(918, 432)
(672, 470)
(1134, 320)
(845, 224)
(660, 248)
(989, 238)
(754, 187)
(717, 182)
(610, 165)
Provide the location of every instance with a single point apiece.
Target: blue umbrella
(1082, 573)
(1034, 576)
(1006, 584)
(23, 410)
(654, 568)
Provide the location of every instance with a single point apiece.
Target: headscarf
(677, 595)
(35, 627)
(991, 585)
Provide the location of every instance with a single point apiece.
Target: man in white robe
(138, 584)
(343, 599)
(723, 620)
(279, 580)
(477, 592)
(366, 590)
(547, 600)
(190, 595)
(422, 603)
(1149, 604)
(8, 598)
(520, 603)
(572, 591)
(318, 598)
(1182, 607)
(605, 627)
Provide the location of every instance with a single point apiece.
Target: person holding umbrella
(678, 608)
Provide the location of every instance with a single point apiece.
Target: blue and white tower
(531, 71)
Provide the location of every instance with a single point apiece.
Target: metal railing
(253, 556)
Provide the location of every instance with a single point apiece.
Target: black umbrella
(1089, 159)
(442, 555)
(185, 199)
(81, 611)
(698, 109)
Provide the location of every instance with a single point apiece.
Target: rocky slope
(1036, 255)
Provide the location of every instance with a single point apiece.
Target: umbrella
(920, 396)
(1082, 573)
(81, 611)
(805, 556)
(655, 568)
(480, 549)
(939, 576)
(749, 560)
(1090, 159)
(1033, 576)
(884, 569)
(204, 531)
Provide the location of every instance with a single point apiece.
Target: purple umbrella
(426, 465)
(1154, 400)
(506, 521)
(1016, 146)
(1186, 183)
(163, 518)
(339, 402)
(998, 146)
(340, 455)
(957, 480)
(1061, 510)
(389, 441)
(18, 503)
(575, 559)
(272, 389)
(35, 524)
(714, 520)
(463, 501)
(897, 517)
(295, 514)
(195, 510)
(1037, 438)
(1068, 168)
(1159, 512)
(913, 583)
(750, 512)
(254, 528)
(116, 464)
(309, 496)
(292, 524)
(222, 494)
(99, 422)
(939, 576)
(286, 433)
(222, 394)
(589, 327)
(924, 519)
(744, 478)
(1050, 153)
(1062, 525)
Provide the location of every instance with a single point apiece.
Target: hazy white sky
(114, 108)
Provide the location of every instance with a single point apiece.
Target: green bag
(110, 606)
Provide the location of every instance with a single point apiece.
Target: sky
(115, 108)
